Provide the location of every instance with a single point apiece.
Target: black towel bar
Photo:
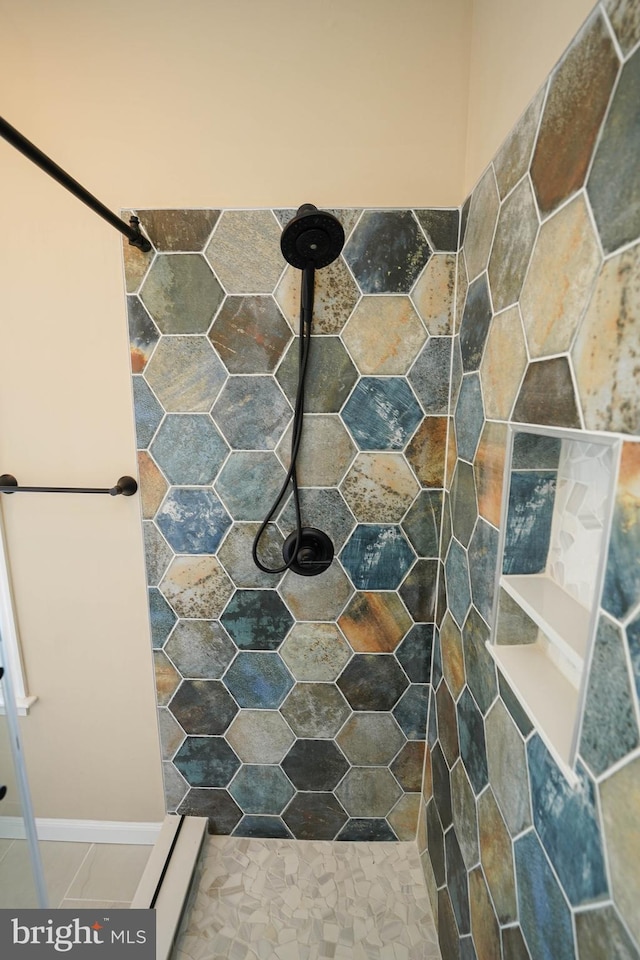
(126, 486)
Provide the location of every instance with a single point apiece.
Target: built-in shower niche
(558, 500)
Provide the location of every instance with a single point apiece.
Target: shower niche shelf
(556, 518)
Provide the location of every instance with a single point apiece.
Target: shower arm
(130, 230)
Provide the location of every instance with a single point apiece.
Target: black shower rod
(20, 142)
(126, 487)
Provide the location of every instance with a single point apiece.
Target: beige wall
(171, 103)
(514, 45)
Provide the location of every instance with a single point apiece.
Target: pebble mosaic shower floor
(309, 900)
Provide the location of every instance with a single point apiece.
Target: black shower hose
(306, 315)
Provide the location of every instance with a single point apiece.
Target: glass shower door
(21, 877)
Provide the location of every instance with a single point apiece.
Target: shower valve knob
(3, 792)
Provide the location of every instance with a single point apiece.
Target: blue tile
(411, 711)
(483, 559)
(566, 819)
(457, 882)
(414, 653)
(469, 416)
(193, 521)
(622, 578)
(206, 761)
(530, 513)
(535, 451)
(633, 638)
(366, 829)
(257, 619)
(382, 413)
(429, 376)
(188, 449)
(476, 319)
(387, 251)
(472, 741)
(258, 680)
(544, 914)
(162, 618)
(458, 589)
(609, 727)
(261, 788)
(377, 556)
(253, 825)
(148, 412)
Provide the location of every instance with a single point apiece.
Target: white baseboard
(83, 831)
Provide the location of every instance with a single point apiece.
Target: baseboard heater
(167, 884)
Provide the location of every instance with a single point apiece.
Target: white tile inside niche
(310, 900)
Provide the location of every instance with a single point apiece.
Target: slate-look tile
(315, 710)
(467, 949)
(181, 293)
(387, 251)
(260, 736)
(464, 510)
(193, 520)
(379, 487)
(382, 413)
(370, 739)
(251, 412)
(462, 290)
(605, 353)
(244, 251)
(512, 245)
(447, 724)
(258, 680)
(178, 230)
(621, 590)
(374, 622)
(372, 681)
(261, 789)
(441, 787)
(384, 335)
(156, 552)
(508, 768)
(153, 486)
(441, 226)
(566, 820)
(479, 665)
(544, 914)
(457, 882)
(236, 557)
(474, 327)
(625, 19)
(426, 451)
(136, 263)
(317, 598)
(403, 818)
(200, 649)
(414, 653)
(633, 641)
(469, 416)
(162, 618)
(529, 517)
(330, 376)
(578, 96)
(458, 589)
(535, 451)
(472, 741)
(315, 765)
(143, 334)
(377, 556)
(513, 945)
(514, 625)
(167, 678)
(452, 656)
(203, 707)
(249, 483)
(484, 923)
(411, 711)
(465, 817)
(435, 843)
(599, 933)
(620, 801)
(429, 375)
(250, 334)
(515, 708)
(547, 395)
(148, 412)
(188, 449)
(321, 508)
(609, 725)
(257, 619)
(563, 268)
(512, 160)
(222, 812)
(206, 761)
(419, 590)
(408, 766)
(500, 380)
(483, 212)
(257, 825)
(171, 733)
(366, 829)
(368, 790)
(448, 936)
(335, 296)
(175, 787)
(422, 523)
(315, 816)
(497, 857)
(185, 374)
(315, 651)
(433, 294)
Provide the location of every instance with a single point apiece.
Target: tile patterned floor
(309, 900)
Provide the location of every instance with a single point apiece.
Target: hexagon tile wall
(298, 708)
(289, 706)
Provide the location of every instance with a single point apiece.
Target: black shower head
(313, 238)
